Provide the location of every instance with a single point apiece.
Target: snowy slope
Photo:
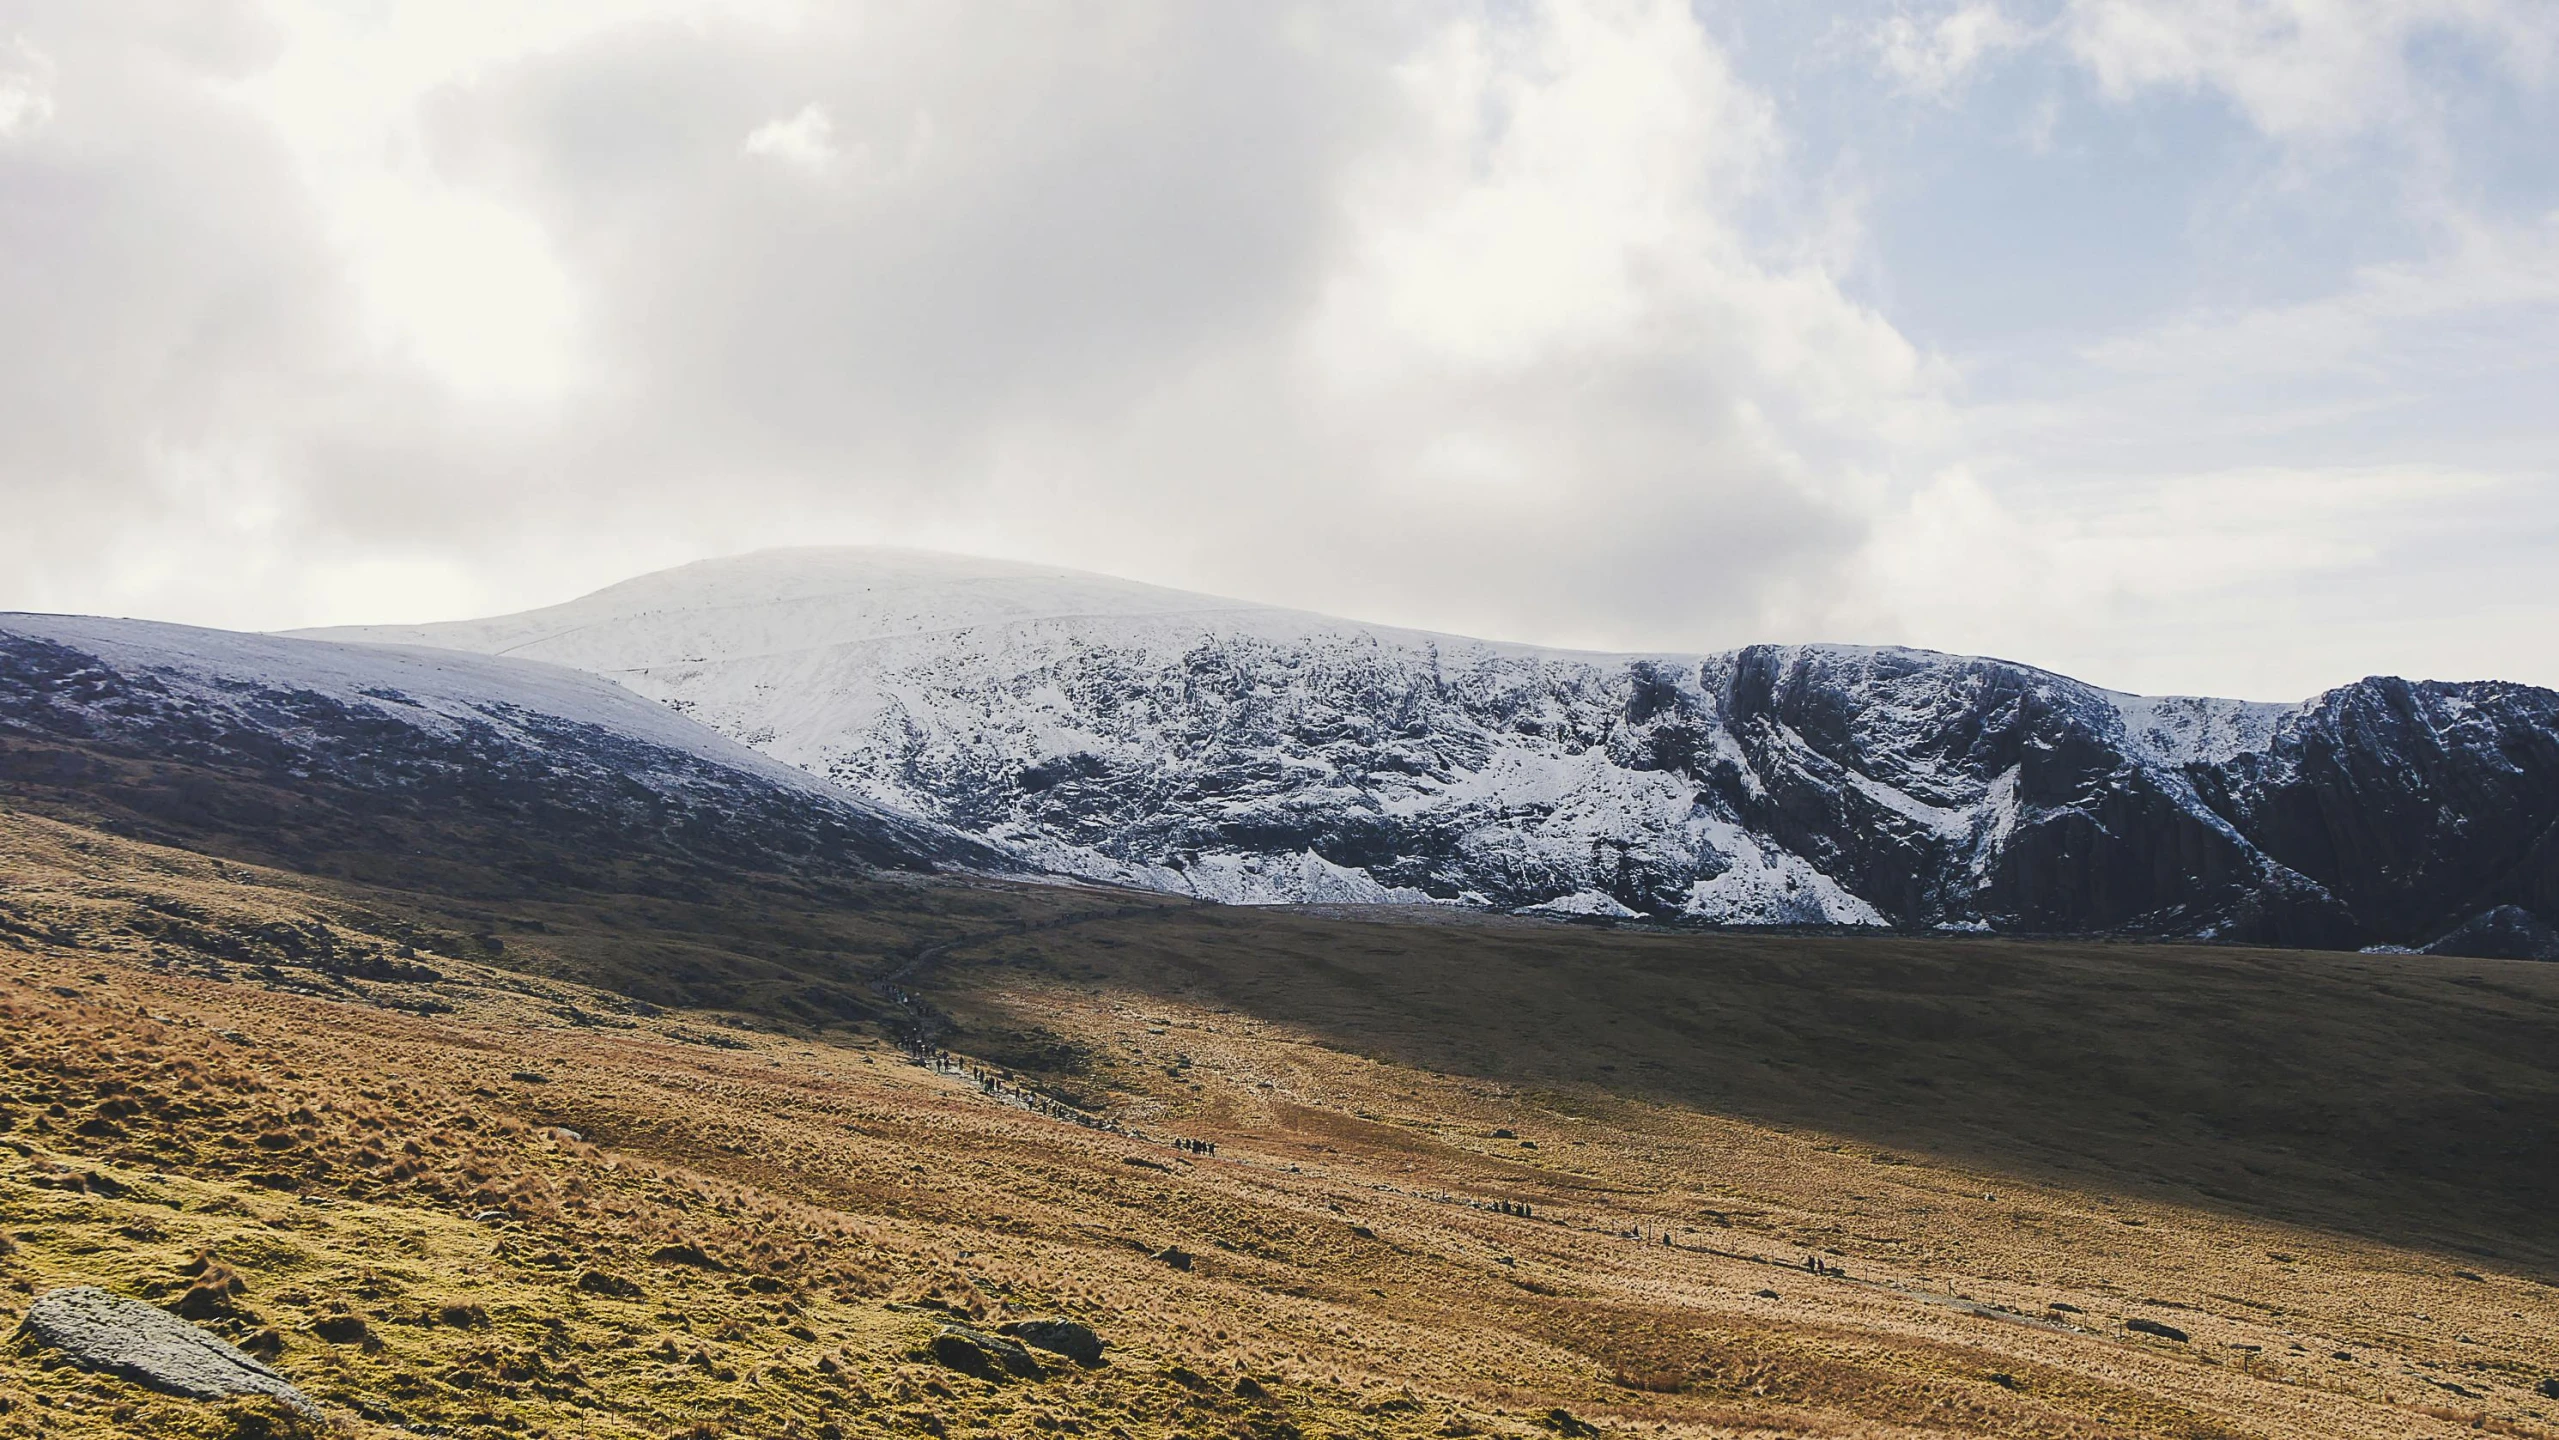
(1248, 753)
(439, 690)
(1187, 742)
(388, 717)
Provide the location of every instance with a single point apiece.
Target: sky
(2190, 346)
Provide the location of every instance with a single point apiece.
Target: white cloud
(2265, 583)
(467, 288)
(2306, 69)
(1935, 58)
(1547, 350)
(26, 89)
(2374, 322)
(448, 278)
(805, 140)
(2383, 497)
(1449, 316)
(1497, 317)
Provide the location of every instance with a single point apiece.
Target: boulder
(974, 1352)
(1059, 1336)
(151, 1347)
(2153, 1327)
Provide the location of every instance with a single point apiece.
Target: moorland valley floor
(1772, 1185)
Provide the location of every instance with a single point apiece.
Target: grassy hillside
(457, 1190)
(659, 916)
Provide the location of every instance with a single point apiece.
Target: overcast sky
(2182, 345)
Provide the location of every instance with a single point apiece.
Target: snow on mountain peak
(788, 600)
(1246, 752)
(2197, 730)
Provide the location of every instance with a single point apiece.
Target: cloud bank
(1549, 321)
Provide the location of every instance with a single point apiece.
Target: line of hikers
(1813, 1264)
(1000, 1085)
(1499, 1207)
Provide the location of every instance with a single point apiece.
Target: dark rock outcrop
(1059, 1336)
(988, 1357)
(2153, 1327)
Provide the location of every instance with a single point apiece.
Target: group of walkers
(999, 1085)
(1499, 1207)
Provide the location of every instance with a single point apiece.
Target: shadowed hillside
(2409, 1098)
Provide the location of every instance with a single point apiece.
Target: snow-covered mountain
(1248, 753)
(513, 742)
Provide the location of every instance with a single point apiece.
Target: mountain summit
(1248, 753)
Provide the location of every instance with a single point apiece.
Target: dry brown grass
(372, 1173)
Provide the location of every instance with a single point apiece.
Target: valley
(1466, 720)
(500, 1202)
(495, 1048)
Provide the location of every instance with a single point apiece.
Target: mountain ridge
(1243, 752)
(481, 633)
(410, 727)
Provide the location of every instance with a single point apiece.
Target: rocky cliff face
(1251, 754)
(2418, 804)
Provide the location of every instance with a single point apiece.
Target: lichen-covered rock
(150, 1346)
(1059, 1336)
(988, 1357)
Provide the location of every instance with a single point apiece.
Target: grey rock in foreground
(150, 1346)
